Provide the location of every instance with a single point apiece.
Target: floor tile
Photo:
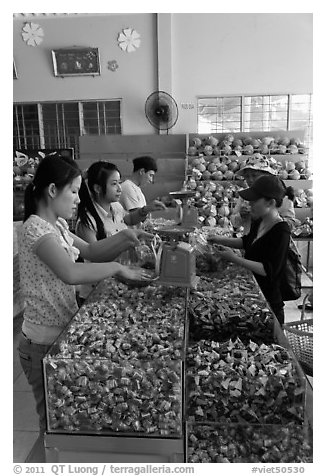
(23, 443)
(24, 414)
(37, 453)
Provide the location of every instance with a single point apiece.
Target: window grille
(256, 113)
(59, 125)
(26, 127)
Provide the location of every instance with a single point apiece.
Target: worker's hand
(131, 236)
(213, 238)
(135, 274)
(144, 235)
(154, 206)
(225, 253)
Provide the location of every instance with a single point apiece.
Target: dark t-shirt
(270, 250)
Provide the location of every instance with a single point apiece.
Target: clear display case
(118, 366)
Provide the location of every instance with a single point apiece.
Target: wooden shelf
(305, 184)
(288, 157)
(253, 134)
(237, 182)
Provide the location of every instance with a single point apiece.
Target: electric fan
(161, 110)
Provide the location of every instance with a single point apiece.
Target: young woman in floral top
(48, 267)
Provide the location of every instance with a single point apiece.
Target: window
(265, 113)
(26, 127)
(256, 113)
(59, 125)
(103, 117)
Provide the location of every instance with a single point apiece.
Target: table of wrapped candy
(118, 369)
(118, 365)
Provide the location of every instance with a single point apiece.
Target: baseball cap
(258, 162)
(267, 186)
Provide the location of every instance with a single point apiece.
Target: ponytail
(97, 174)
(289, 192)
(30, 204)
(86, 207)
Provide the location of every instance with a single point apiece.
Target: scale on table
(176, 260)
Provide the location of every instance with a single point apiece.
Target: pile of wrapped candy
(240, 443)
(125, 396)
(117, 368)
(235, 382)
(226, 307)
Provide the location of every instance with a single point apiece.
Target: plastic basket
(300, 337)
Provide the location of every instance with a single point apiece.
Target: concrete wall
(133, 81)
(230, 54)
(195, 55)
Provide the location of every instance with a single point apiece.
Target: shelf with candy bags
(228, 168)
(304, 230)
(289, 143)
(215, 201)
(221, 156)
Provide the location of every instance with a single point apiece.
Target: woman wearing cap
(256, 166)
(266, 244)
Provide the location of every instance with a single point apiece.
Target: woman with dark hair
(48, 268)
(266, 245)
(100, 214)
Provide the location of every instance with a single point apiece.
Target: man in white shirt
(132, 196)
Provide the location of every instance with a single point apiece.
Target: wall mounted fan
(161, 110)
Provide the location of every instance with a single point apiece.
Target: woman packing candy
(100, 214)
(266, 245)
(48, 267)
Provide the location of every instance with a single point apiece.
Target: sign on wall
(76, 62)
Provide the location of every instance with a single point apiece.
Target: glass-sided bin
(242, 378)
(91, 396)
(251, 383)
(221, 370)
(117, 369)
(245, 443)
